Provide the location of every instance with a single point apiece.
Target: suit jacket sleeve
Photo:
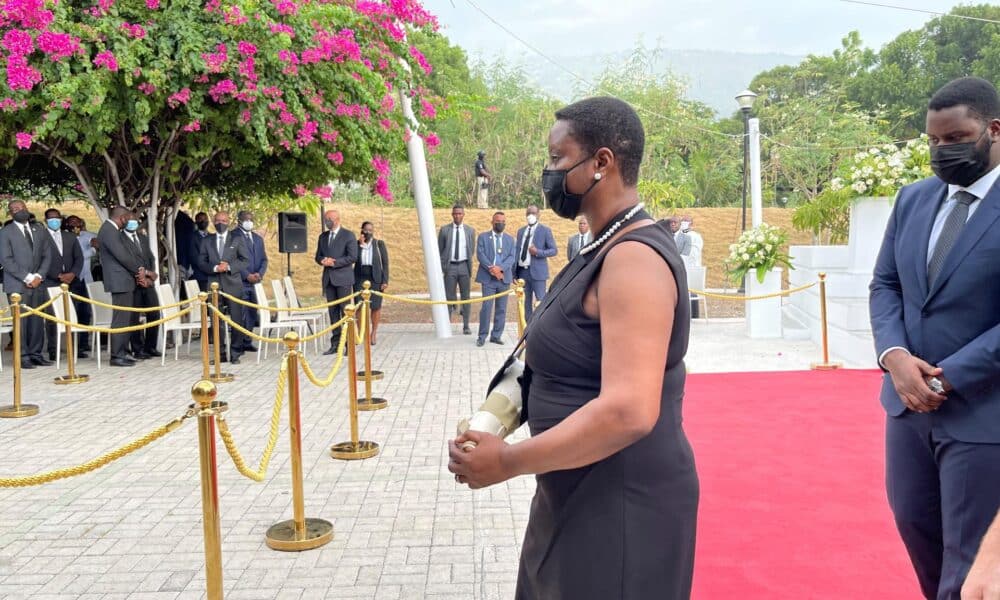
(76, 254)
(203, 262)
(262, 252)
(975, 365)
(7, 253)
(319, 249)
(242, 256)
(350, 255)
(509, 258)
(113, 245)
(384, 253)
(442, 242)
(548, 248)
(484, 258)
(46, 263)
(885, 299)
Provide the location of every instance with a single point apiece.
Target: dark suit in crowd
(943, 306)
(234, 252)
(338, 280)
(494, 249)
(576, 243)
(21, 257)
(258, 264)
(120, 264)
(536, 273)
(144, 341)
(456, 264)
(195, 250)
(67, 257)
(377, 272)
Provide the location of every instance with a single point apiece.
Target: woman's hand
(481, 466)
(383, 287)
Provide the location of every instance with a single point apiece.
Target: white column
(756, 200)
(425, 217)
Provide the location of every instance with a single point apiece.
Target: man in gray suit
(222, 259)
(65, 267)
(122, 268)
(456, 243)
(26, 257)
(578, 240)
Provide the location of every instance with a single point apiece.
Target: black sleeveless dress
(623, 527)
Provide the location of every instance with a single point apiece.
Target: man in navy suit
(254, 273)
(336, 252)
(935, 314)
(535, 244)
(495, 251)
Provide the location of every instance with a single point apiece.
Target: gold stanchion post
(826, 365)
(203, 302)
(17, 410)
(354, 449)
(72, 376)
(218, 376)
(369, 403)
(299, 533)
(206, 407)
(519, 294)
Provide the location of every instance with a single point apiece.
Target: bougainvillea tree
(141, 102)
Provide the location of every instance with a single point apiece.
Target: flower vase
(763, 317)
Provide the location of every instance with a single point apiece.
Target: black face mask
(202, 225)
(565, 204)
(961, 164)
(498, 227)
(366, 236)
(22, 216)
(221, 227)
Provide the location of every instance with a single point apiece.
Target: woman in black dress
(615, 508)
(373, 266)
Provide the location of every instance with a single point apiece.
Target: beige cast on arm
(500, 414)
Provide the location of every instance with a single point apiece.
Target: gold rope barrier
(97, 463)
(207, 408)
(138, 309)
(290, 309)
(447, 302)
(298, 533)
(307, 369)
(216, 312)
(27, 310)
(743, 298)
(272, 438)
(355, 449)
(325, 331)
(826, 365)
(369, 402)
(218, 376)
(72, 376)
(17, 410)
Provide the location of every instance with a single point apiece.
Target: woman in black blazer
(373, 266)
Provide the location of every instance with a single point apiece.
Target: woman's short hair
(367, 223)
(605, 122)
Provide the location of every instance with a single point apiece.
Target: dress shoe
(121, 362)
(41, 362)
(496, 341)
(52, 356)
(466, 331)
(141, 356)
(27, 364)
(154, 353)
(82, 354)
(480, 342)
(330, 350)
(250, 348)
(234, 359)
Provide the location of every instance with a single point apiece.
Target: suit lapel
(977, 226)
(925, 214)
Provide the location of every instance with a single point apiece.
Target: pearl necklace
(611, 230)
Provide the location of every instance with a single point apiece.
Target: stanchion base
(376, 375)
(67, 380)
(281, 536)
(351, 451)
(222, 378)
(830, 366)
(16, 412)
(373, 404)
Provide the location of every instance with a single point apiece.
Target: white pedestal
(764, 316)
(869, 217)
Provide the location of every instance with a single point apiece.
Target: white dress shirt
(26, 231)
(57, 238)
(529, 236)
(458, 233)
(366, 253)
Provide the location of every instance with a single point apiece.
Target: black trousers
(331, 293)
(145, 340)
(121, 318)
(457, 275)
(32, 328)
(84, 312)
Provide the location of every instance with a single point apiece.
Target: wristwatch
(935, 384)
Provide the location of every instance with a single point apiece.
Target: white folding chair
(101, 316)
(267, 324)
(164, 297)
(57, 310)
(4, 327)
(293, 301)
(281, 303)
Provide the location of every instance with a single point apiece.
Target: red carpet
(792, 494)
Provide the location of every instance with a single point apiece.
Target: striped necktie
(950, 232)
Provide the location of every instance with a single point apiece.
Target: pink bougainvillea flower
(336, 158)
(107, 60)
(433, 141)
(381, 165)
(215, 60)
(193, 126)
(285, 7)
(277, 28)
(382, 188)
(421, 59)
(324, 191)
(178, 98)
(307, 134)
(147, 88)
(23, 140)
(224, 87)
(493, 109)
(30, 14)
(247, 49)
(18, 43)
(300, 190)
(153, 4)
(245, 117)
(135, 31)
(234, 16)
(58, 45)
(20, 76)
(427, 109)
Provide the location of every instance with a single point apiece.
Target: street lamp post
(745, 100)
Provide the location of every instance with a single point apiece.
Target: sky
(585, 27)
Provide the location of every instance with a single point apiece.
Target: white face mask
(685, 225)
(532, 219)
(247, 226)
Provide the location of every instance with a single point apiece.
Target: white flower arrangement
(882, 170)
(760, 249)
